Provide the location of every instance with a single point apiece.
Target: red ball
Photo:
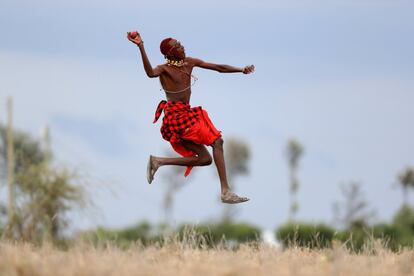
(133, 35)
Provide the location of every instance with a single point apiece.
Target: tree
(237, 156)
(353, 212)
(404, 218)
(27, 151)
(406, 180)
(43, 192)
(294, 152)
(3, 214)
(174, 182)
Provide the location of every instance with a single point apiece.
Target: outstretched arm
(222, 68)
(135, 38)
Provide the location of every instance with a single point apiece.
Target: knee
(218, 143)
(206, 160)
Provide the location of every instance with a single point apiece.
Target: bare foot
(152, 167)
(232, 198)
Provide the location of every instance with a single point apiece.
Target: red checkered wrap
(178, 118)
(181, 122)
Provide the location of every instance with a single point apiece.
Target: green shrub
(392, 237)
(305, 235)
(193, 235)
(354, 240)
(395, 236)
(213, 234)
(404, 218)
(123, 238)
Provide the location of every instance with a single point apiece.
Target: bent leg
(202, 158)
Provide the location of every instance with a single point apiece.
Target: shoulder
(161, 67)
(193, 61)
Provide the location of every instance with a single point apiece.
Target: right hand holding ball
(134, 37)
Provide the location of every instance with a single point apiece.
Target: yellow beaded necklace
(176, 63)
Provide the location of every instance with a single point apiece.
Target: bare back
(175, 79)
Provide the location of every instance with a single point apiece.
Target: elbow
(151, 75)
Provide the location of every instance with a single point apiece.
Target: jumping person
(187, 129)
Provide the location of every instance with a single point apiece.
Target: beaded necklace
(176, 63)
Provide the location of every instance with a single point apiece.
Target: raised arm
(222, 68)
(135, 38)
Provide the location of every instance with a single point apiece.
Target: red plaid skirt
(182, 122)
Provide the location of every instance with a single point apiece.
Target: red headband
(165, 46)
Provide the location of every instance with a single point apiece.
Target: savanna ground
(184, 259)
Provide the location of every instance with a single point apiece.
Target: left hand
(248, 69)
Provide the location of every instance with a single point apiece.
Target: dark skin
(174, 78)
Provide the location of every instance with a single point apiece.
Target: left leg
(202, 158)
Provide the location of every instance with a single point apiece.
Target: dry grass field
(181, 259)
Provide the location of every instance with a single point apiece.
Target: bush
(240, 232)
(356, 239)
(142, 232)
(353, 239)
(305, 235)
(199, 235)
(394, 235)
(213, 234)
(404, 218)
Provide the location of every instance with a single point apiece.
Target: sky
(335, 75)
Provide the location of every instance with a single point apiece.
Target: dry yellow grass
(177, 259)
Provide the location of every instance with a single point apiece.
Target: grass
(183, 258)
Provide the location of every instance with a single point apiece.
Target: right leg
(218, 155)
(226, 195)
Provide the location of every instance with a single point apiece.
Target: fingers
(129, 36)
(251, 68)
(136, 34)
(248, 69)
(137, 39)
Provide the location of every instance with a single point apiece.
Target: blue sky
(336, 75)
